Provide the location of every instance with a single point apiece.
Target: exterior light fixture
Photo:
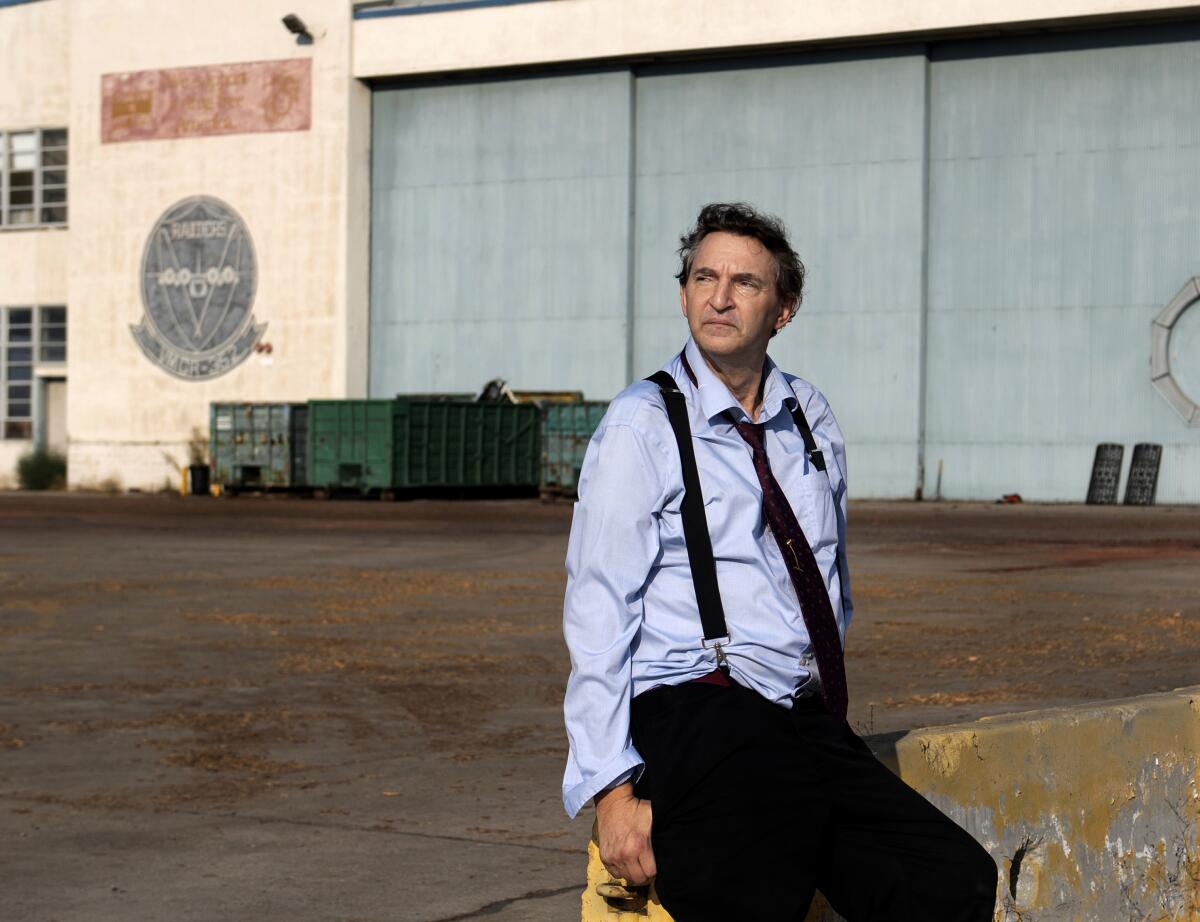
(296, 26)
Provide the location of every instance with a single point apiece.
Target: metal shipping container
(350, 444)
(566, 430)
(465, 445)
(258, 444)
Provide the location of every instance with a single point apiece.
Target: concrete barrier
(1091, 812)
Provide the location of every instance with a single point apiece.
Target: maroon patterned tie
(805, 574)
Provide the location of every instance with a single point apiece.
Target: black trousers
(754, 806)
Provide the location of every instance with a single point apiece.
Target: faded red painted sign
(193, 101)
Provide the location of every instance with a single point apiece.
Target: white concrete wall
(299, 192)
(33, 94)
(355, 252)
(34, 46)
(582, 30)
(10, 451)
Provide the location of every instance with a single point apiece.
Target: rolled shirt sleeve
(613, 548)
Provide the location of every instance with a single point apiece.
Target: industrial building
(997, 203)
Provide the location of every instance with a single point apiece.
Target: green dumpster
(258, 445)
(466, 445)
(566, 430)
(418, 443)
(350, 444)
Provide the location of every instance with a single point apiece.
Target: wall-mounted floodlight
(296, 26)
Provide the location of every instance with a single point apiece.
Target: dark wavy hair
(743, 220)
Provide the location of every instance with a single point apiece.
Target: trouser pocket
(668, 727)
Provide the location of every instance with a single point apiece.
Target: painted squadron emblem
(198, 280)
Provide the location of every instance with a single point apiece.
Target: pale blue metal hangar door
(990, 228)
(833, 144)
(499, 234)
(1064, 215)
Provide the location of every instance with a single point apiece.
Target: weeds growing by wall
(42, 470)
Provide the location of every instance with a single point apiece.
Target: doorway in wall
(54, 414)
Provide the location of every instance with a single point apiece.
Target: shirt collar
(715, 398)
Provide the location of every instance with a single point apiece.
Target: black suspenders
(695, 523)
(810, 444)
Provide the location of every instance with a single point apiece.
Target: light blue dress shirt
(630, 617)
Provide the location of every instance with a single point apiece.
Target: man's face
(730, 298)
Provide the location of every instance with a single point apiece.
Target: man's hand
(623, 824)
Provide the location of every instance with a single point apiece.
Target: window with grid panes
(52, 334)
(33, 177)
(18, 372)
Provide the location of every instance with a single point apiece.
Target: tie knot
(752, 433)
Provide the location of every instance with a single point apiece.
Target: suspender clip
(718, 645)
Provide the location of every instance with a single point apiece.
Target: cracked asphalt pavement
(269, 708)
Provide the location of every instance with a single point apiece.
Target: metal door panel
(1064, 184)
(500, 234)
(833, 144)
